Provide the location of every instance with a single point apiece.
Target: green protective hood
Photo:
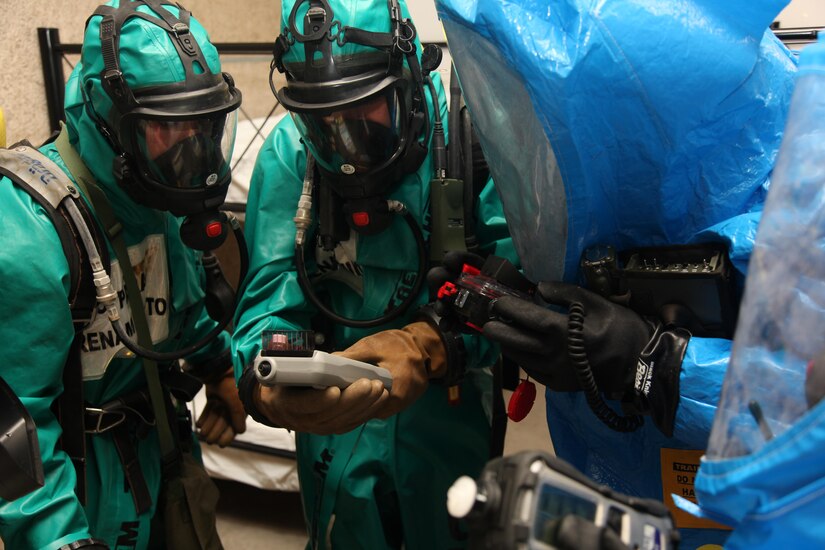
(147, 57)
(367, 15)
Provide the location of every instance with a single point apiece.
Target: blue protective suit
(763, 471)
(653, 123)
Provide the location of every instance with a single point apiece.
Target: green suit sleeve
(272, 298)
(36, 331)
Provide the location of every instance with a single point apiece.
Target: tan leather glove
(321, 412)
(413, 355)
(223, 417)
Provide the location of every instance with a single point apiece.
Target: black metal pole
(249, 48)
(54, 79)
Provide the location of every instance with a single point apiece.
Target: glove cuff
(456, 355)
(212, 369)
(247, 386)
(654, 389)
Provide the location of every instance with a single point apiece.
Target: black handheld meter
(519, 503)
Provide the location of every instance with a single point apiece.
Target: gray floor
(253, 519)
(256, 519)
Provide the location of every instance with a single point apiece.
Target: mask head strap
(321, 30)
(189, 52)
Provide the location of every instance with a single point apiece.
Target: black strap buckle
(395, 12)
(403, 39)
(113, 75)
(180, 29)
(187, 42)
(113, 81)
(316, 14)
(320, 17)
(100, 420)
(114, 413)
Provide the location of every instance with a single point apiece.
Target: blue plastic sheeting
(776, 496)
(664, 116)
(631, 123)
(764, 466)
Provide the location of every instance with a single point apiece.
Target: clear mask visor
(357, 139)
(187, 154)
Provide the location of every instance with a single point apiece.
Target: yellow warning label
(679, 468)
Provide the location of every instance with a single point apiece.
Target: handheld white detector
(287, 359)
(321, 370)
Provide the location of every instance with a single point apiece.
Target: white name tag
(99, 343)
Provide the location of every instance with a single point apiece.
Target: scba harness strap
(50, 187)
(37, 175)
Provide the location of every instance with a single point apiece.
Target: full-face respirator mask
(173, 144)
(365, 120)
(173, 141)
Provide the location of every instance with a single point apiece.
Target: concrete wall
(426, 20)
(22, 95)
(803, 13)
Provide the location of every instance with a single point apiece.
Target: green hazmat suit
(384, 483)
(37, 332)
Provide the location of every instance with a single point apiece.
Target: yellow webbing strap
(2, 129)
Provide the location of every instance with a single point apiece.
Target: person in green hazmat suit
(149, 98)
(374, 465)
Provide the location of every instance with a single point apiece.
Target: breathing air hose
(215, 281)
(470, 239)
(578, 357)
(306, 284)
(303, 219)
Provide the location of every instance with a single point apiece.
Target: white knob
(461, 497)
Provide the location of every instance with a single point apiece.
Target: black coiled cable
(578, 357)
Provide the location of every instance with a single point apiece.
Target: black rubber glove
(536, 337)
(629, 356)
